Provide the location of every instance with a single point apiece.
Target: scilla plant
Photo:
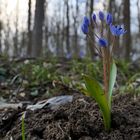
(105, 38)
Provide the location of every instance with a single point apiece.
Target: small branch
(99, 52)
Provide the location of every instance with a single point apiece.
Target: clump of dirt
(80, 120)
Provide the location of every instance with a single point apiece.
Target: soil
(79, 120)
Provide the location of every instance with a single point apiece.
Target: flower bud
(86, 21)
(109, 19)
(94, 17)
(101, 15)
(84, 28)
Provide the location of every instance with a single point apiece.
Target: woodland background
(46, 28)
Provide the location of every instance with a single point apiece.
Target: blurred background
(47, 28)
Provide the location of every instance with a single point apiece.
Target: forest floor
(27, 85)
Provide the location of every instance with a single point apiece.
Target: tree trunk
(37, 30)
(58, 49)
(29, 49)
(63, 34)
(67, 27)
(0, 33)
(46, 34)
(15, 38)
(7, 37)
(91, 45)
(86, 43)
(138, 8)
(0, 37)
(75, 26)
(127, 36)
(110, 6)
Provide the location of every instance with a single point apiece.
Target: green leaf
(96, 92)
(113, 74)
(23, 128)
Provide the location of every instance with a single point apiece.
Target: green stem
(23, 128)
(105, 73)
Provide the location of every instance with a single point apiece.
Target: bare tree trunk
(138, 8)
(63, 33)
(126, 21)
(58, 28)
(67, 27)
(91, 47)
(0, 37)
(29, 49)
(38, 31)
(22, 44)
(46, 34)
(46, 49)
(87, 7)
(7, 36)
(87, 11)
(110, 6)
(15, 39)
(75, 26)
(91, 8)
(61, 49)
(58, 49)
(113, 9)
(0, 33)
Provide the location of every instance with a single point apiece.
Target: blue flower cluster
(85, 25)
(115, 30)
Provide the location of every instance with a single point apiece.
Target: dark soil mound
(80, 120)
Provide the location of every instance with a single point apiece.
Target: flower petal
(94, 17)
(117, 30)
(84, 28)
(101, 15)
(109, 19)
(102, 42)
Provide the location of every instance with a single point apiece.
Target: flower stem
(105, 73)
(113, 45)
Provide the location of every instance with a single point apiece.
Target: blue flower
(81, 54)
(84, 28)
(94, 17)
(85, 25)
(102, 42)
(86, 21)
(109, 19)
(117, 30)
(101, 15)
(68, 56)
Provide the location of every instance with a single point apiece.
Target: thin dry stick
(102, 29)
(100, 54)
(99, 50)
(97, 27)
